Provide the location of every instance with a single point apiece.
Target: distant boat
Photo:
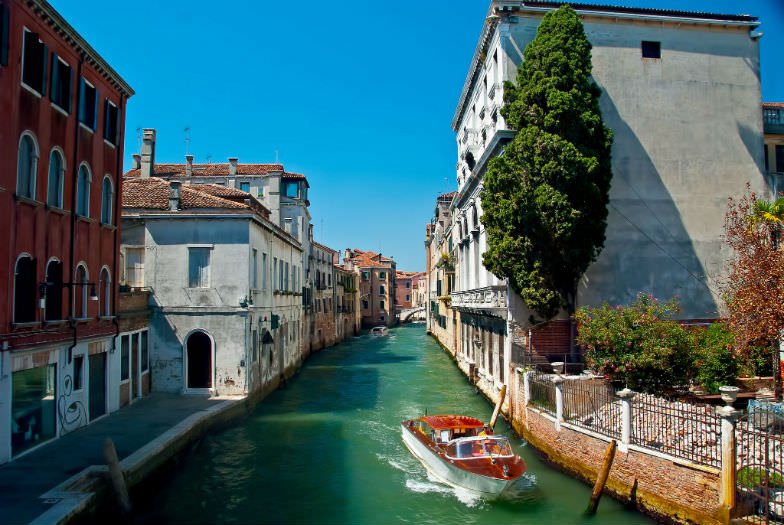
(379, 331)
(463, 452)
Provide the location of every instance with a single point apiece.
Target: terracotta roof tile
(773, 104)
(370, 260)
(209, 170)
(153, 193)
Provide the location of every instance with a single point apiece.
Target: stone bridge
(405, 314)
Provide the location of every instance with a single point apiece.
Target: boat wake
(433, 485)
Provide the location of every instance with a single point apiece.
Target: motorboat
(463, 452)
(379, 331)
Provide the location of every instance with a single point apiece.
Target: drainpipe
(75, 171)
(117, 203)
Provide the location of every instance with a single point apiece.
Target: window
(53, 309)
(408, 284)
(382, 275)
(651, 49)
(78, 372)
(4, 34)
(381, 290)
(24, 290)
(61, 83)
(364, 305)
(83, 181)
(125, 353)
(107, 195)
(111, 128)
(365, 276)
(245, 186)
(27, 166)
(780, 159)
(145, 351)
(381, 304)
(292, 190)
(105, 293)
(33, 407)
(254, 275)
(280, 276)
(408, 298)
(198, 267)
(80, 292)
(264, 271)
(134, 267)
(54, 190)
(287, 277)
(275, 272)
(34, 63)
(88, 104)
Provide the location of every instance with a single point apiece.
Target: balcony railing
(773, 119)
(488, 297)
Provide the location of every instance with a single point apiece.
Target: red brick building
(404, 288)
(61, 150)
(376, 286)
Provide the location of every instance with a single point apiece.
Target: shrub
(637, 344)
(715, 364)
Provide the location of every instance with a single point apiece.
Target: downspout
(117, 195)
(75, 171)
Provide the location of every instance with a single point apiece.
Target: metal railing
(677, 428)
(542, 393)
(592, 405)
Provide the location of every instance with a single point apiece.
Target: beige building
(681, 93)
(376, 286)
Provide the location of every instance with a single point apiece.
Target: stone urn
(558, 367)
(729, 394)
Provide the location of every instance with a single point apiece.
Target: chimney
(174, 195)
(148, 153)
(188, 166)
(233, 166)
(137, 161)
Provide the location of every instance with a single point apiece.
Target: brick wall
(552, 340)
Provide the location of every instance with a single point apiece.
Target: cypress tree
(545, 198)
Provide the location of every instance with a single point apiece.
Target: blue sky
(358, 96)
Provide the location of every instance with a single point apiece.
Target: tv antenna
(187, 132)
(209, 159)
(139, 140)
(276, 157)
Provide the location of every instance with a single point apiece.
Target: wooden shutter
(54, 93)
(45, 55)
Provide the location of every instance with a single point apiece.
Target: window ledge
(59, 109)
(86, 127)
(107, 317)
(106, 226)
(27, 200)
(58, 210)
(31, 90)
(105, 141)
(30, 324)
(82, 320)
(82, 218)
(55, 322)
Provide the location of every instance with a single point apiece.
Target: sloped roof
(208, 170)
(370, 259)
(153, 193)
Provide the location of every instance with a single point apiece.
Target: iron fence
(594, 406)
(542, 391)
(759, 438)
(677, 428)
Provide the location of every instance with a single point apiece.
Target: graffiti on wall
(71, 412)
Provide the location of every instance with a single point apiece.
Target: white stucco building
(225, 281)
(681, 92)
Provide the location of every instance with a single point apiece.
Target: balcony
(772, 119)
(488, 298)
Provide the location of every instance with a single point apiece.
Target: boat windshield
(481, 447)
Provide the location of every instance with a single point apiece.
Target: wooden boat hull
(449, 473)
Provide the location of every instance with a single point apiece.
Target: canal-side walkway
(55, 481)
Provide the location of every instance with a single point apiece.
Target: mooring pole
(116, 475)
(602, 479)
(498, 407)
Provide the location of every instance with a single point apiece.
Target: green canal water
(327, 449)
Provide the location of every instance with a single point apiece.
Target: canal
(327, 449)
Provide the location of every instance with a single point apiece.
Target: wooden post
(498, 407)
(116, 475)
(602, 479)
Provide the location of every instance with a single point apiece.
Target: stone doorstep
(75, 494)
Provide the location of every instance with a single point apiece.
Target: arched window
(105, 292)
(24, 290)
(27, 166)
(80, 292)
(83, 191)
(54, 190)
(107, 194)
(54, 291)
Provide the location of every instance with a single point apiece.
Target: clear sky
(358, 96)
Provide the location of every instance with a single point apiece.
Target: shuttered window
(61, 83)
(4, 34)
(111, 130)
(88, 104)
(34, 62)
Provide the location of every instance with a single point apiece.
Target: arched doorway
(199, 360)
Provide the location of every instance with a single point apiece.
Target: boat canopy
(452, 421)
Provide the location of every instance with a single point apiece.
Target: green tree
(545, 199)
